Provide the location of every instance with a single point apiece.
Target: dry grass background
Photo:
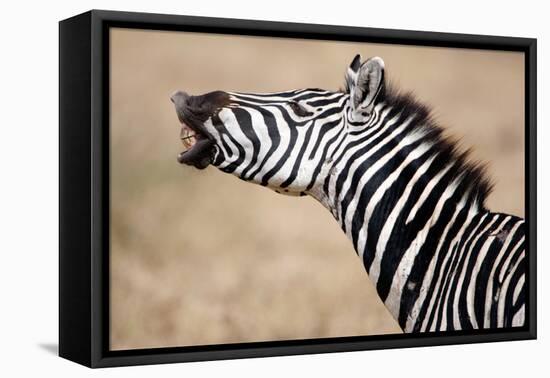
(202, 257)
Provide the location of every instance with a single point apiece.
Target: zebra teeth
(187, 136)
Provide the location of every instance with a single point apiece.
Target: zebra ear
(351, 74)
(364, 82)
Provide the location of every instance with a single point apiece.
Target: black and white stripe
(412, 205)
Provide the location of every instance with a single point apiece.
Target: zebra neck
(397, 205)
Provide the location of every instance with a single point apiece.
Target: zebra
(411, 201)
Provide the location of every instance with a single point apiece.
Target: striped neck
(396, 186)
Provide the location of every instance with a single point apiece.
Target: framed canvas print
(387, 190)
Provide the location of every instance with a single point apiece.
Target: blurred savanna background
(200, 257)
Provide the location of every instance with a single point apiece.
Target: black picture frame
(84, 186)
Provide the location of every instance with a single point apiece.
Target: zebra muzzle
(199, 149)
(200, 155)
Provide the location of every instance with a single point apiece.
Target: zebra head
(285, 141)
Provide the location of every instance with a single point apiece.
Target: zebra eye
(298, 109)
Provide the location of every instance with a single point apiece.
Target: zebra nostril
(179, 98)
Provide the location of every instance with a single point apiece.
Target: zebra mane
(471, 173)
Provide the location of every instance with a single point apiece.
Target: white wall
(28, 170)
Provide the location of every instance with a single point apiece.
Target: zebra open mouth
(193, 112)
(188, 137)
(199, 148)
